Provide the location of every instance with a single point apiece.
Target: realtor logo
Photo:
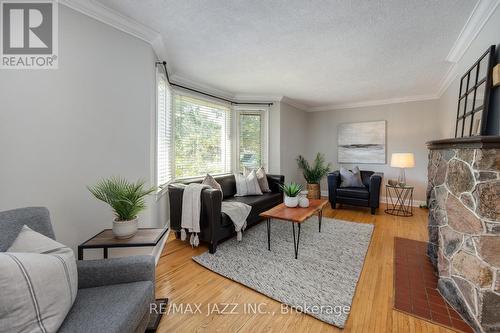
(28, 37)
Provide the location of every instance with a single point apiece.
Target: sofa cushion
(38, 283)
(259, 204)
(228, 185)
(353, 192)
(365, 177)
(114, 308)
(265, 199)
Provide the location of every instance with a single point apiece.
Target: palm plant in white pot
(126, 199)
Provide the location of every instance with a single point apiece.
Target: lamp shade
(402, 160)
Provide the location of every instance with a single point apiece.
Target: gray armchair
(114, 295)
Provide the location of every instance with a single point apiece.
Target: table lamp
(402, 161)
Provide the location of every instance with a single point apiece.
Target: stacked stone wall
(464, 231)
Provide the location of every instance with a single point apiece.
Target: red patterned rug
(415, 286)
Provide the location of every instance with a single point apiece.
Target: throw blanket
(191, 209)
(238, 212)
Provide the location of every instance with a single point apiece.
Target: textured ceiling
(314, 52)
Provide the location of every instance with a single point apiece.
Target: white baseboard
(416, 203)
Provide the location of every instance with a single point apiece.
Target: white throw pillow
(261, 178)
(248, 185)
(38, 283)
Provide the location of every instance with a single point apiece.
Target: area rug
(415, 286)
(321, 282)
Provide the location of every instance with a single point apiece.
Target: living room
(234, 132)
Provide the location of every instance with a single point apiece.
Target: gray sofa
(114, 295)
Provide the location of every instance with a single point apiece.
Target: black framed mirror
(474, 97)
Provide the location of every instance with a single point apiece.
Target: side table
(399, 200)
(105, 240)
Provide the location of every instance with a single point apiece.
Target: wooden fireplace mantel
(473, 142)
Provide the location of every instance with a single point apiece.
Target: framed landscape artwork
(362, 142)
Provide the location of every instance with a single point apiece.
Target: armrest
(96, 273)
(211, 201)
(333, 179)
(274, 182)
(375, 183)
(175, 192)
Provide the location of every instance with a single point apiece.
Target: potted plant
(313, 174)
(126, 199)
(291, 192)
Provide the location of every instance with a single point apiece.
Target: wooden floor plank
(185, 282)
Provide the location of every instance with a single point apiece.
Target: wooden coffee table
(294, 215)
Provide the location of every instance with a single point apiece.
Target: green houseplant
(127, 200)
(291, 192)
(313, 174)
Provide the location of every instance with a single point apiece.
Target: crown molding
(257, 98)
(479, 17)
(295, 104)
(176, 78)
(240, 98)
(113, 18)
(447, 79)
(363, 104)
(475, 23)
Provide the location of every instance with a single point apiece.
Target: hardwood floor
(186, 283)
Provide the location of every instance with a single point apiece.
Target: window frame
(179, 91)
(264, 112)
(161, 188)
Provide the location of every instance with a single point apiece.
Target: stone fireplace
(463, 196)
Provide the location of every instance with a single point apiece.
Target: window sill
(161, 192)
(163, 189)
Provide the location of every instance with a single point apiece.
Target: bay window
(195, 136)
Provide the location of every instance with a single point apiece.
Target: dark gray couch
(114, 295)
(216, 226)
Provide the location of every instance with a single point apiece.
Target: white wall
(293, 126)
(63, 129)
(409, 126)
(448, 102)
(274, 138)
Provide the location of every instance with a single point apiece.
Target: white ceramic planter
(291, 201)
(125, 229)
(303, 202)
